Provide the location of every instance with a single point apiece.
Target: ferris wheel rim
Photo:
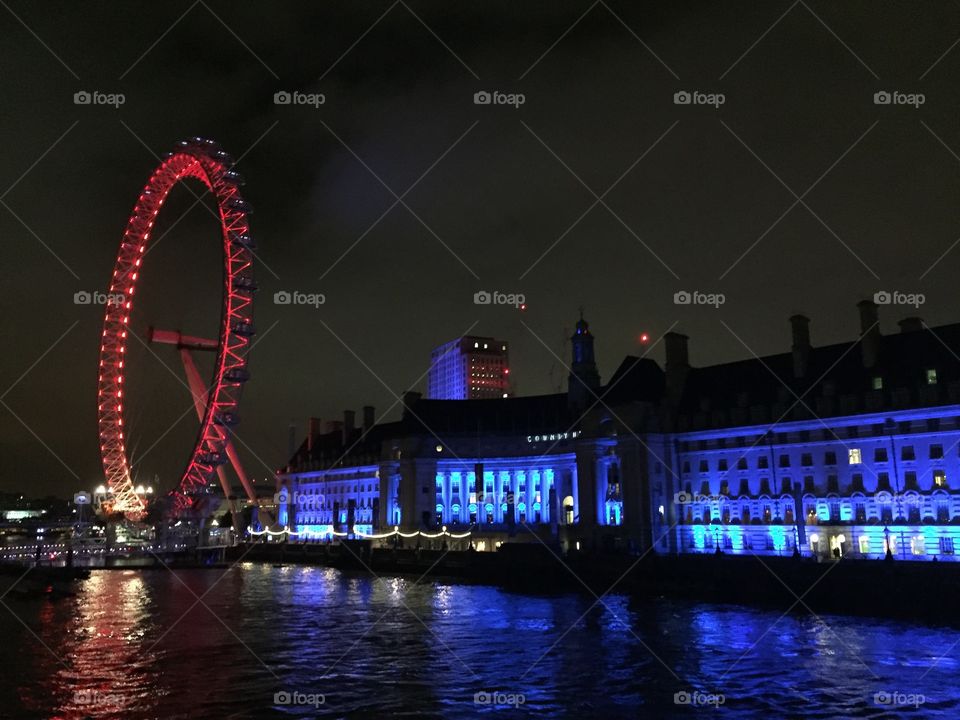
(202, 160)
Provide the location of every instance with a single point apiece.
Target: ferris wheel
(216, 402)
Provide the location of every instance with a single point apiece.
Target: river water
(258, 641)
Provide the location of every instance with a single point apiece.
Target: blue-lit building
(469, 368)
(848, 450)
(520, 469)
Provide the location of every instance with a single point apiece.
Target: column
(585, 482)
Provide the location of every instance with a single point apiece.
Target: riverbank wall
(928, 591)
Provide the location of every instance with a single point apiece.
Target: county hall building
(846, 450)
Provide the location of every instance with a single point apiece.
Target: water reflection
(139, 645)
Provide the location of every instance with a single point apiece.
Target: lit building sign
(553, 436)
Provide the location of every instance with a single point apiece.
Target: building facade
(469, 368)
(843, 451)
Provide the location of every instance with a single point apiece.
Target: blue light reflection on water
(138, 644)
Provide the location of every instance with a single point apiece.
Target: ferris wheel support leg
(200, 402)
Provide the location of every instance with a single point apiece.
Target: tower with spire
(584, 381)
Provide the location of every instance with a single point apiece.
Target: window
(939, 478)
(830, 458)
(943, 511)
(917, 545)
(834, 510)
(931, 376)
(860, 512)
(877, 382)
(907, 453)
(936, 452)
(784, 461)
(910, 480)
(880, 454)
(742, 464)
(864, 545)
(854, 456)
(763, 462)
(946, 546)
(704, 467)
(806, 459)
(722, 466)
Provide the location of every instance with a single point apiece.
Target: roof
(833, 371)
(495, 416)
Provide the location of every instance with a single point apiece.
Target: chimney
(676, 347)
(348, 421)
(869, 332)
(313, 429)
(368, 418)
(911, 324)
(800, 329)
(410, 398)
(677, 362)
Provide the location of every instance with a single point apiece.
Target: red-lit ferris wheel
(216, 404)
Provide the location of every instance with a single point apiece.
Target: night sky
(692, 197)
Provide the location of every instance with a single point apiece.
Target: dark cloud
(599, 99)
